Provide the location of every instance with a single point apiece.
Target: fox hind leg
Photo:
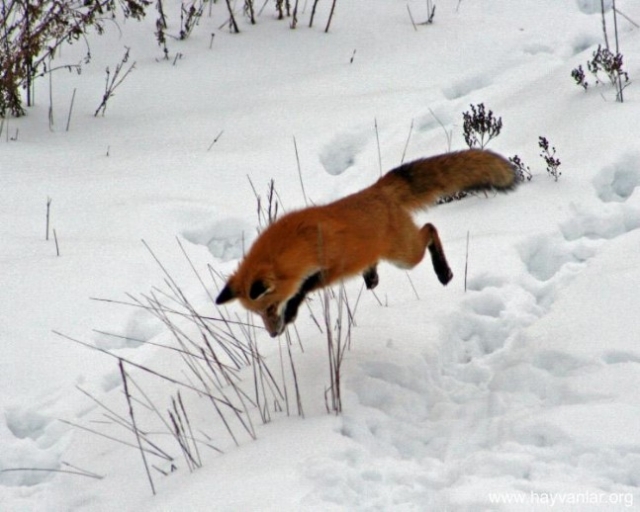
(438, 259)
(412, 244)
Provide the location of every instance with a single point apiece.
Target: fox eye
(258, 289)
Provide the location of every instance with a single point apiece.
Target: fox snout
(273, 322)
(275, 315)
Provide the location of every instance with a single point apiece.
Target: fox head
(276, 300)
(264, 294)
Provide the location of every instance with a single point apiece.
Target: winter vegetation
(144, 145)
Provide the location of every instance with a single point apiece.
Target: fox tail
(420, 183)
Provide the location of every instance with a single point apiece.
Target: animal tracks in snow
(497, 309)
(341, 151)
(225, 239)
(40, 443)
(592, 6)
(617, 182)
(618, 357)
(499, 388)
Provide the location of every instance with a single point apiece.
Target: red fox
(311, 248)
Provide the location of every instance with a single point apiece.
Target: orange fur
(349, 236)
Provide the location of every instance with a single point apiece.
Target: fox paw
(371, 278)
(444, 273)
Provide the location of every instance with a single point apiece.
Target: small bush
(114, 81)
(32, 32)
(523, 173)
(579, 76)
(548, 154)
(604, 60)
(480, 126)
(607, 63)
(189, 17)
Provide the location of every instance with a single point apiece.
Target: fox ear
(258, 289)
(226, 295)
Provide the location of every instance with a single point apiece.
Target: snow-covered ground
(520, 393)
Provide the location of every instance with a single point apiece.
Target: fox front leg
(371, 278)
(311, 283)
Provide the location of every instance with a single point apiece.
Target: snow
(519, 393)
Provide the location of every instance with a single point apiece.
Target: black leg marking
(440, 264)
(311, 283)
(291, 309)
(371, 278)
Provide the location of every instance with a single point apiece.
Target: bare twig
(73, 97)
(447, 134)
(333, 7)
(232, 20)
(294, 17)
(375, 124)
(431, 12)
(411, 17)
(313, 12)
(113, 82)
(50, 98)
(406, 144)
(615, 30)
(337, 343)
(54, 470)
(111, 438)
(113, 416)
(133, 423)
(181, 423)
(466, 263)
(148, 370)
(626, 17)
(55, 237)
(215, 140)
(304, 194)
(412, 286)
(295, 376)
(284, 381)
(604, 25)
(48, 217)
